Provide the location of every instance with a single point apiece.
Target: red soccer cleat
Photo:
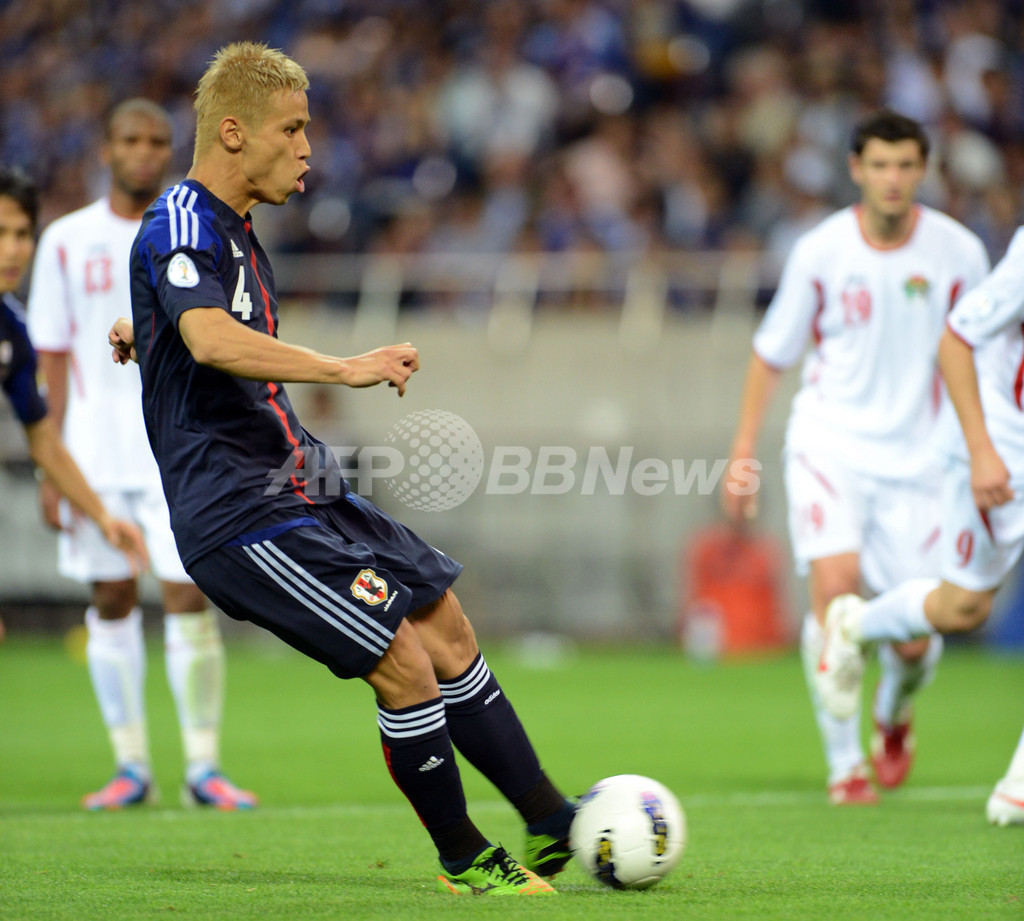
(853, 790)
(892, 753)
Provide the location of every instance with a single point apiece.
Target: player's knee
(404, 675)
(974, 611)
(183, 598)
(966, 610)
(463, 635)
(114, 600)
(914, 651)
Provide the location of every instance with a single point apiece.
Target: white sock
(194, 654)
(900, 680)
(840, 738)
(898, 614)
(1015, 773)
(117, 665)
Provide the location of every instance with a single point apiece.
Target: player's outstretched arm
(48, 451)
(761, 382)
(54, 366)
(990, 480)
(392, 363)
(217, 340)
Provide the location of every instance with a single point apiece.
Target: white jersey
(80, 286)
(870, 388)
(989, 318)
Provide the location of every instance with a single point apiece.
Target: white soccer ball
(628, 831)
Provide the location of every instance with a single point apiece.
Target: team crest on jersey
(369, 587)
(916, 286)
(182, 272)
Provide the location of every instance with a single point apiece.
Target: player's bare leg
(848, 782)
(912, 610)
(485, 728)
(952, 609)
(194, 656)
(446, 635)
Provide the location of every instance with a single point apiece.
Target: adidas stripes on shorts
(334, 582)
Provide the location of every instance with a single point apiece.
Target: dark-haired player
(19, 210)
(868, 289)
(980, 355)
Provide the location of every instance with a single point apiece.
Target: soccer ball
(628, 831)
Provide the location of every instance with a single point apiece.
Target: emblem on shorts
(182, 272)
(369, 587)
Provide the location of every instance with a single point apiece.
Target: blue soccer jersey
(18, 363)
(221, 442)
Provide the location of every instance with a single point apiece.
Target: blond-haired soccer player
(80, 286)
(982, 360)
(318, 566)
(868, 289)
(19, 210)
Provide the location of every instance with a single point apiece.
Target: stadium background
(575, 208)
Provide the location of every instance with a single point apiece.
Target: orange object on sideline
(737, 577)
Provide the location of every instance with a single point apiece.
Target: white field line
(695, 800)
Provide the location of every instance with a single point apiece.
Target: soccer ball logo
(444, 460)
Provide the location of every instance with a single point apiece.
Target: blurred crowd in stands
(498, 126)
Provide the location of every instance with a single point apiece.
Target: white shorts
(84, 554)
(978, 551)
(892, 523)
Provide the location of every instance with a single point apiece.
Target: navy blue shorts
(334, 583)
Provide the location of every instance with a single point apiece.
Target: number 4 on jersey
(241, 303)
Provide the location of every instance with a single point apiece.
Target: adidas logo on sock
(432, 762)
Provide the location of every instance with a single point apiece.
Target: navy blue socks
(419, 756)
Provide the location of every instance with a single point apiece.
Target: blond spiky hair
(239, 82)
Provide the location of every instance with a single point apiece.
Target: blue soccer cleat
(213, 789)
(126, 788)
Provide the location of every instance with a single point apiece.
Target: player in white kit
(869, 288)
(982, 360)
(80, 285)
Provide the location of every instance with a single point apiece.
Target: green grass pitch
(335, 839)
